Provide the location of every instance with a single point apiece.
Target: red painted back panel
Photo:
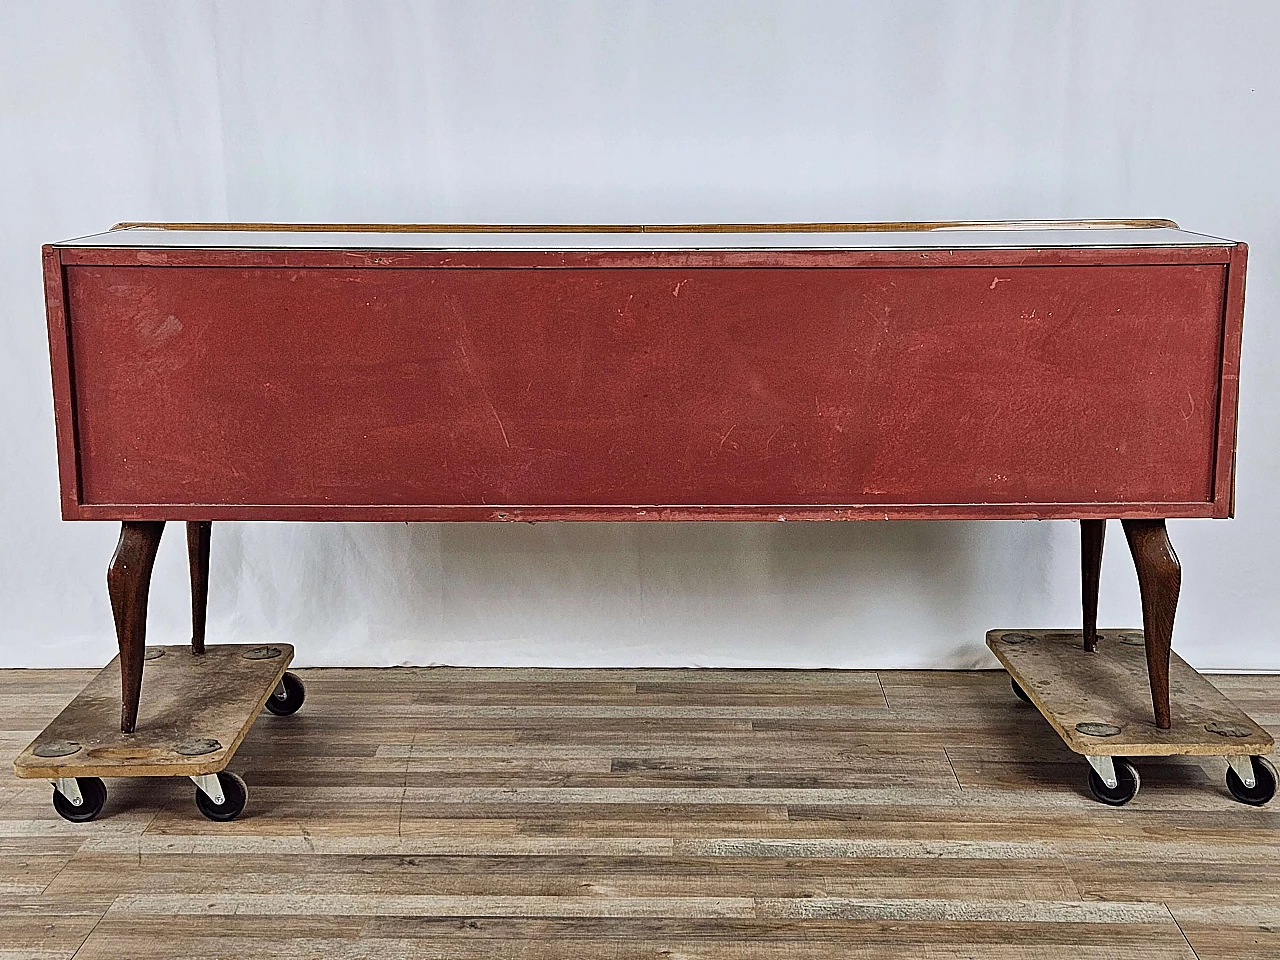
(660, 386)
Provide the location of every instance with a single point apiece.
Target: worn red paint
(348, 385)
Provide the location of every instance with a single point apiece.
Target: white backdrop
(636, 112)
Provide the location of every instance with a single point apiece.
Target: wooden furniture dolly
(780, 372)
(1090, 700)
(200, 703)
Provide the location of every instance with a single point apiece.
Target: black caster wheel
(234, 796)
(1264, 788)
(287, 697)
(1017, 689)
(93, 795)
(1127, 784)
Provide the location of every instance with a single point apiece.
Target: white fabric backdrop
(635, 111)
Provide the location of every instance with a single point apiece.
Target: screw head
(197, 747)
(1225, 729)
(57, 748)
(1096, 728)
(1017, 638)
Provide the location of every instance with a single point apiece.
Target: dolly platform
(1094, 700)
(198, 708)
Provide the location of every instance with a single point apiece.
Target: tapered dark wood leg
(1159, 579)
(129, 583)
(198, 532)
(1092, 533)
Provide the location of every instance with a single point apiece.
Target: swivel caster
(1251, 780)
(287, 697)
(1113, 780)
(1018, 691)
(79, 799)
(221, 796)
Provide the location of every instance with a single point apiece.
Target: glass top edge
(995, 237)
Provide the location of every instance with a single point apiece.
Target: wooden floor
(623, 814)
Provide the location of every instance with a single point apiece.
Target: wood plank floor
(568, 814)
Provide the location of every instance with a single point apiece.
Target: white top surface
(944, 238)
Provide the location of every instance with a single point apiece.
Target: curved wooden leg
(1159, 579)
(128, 584)
(198, 532)
(1092, 533)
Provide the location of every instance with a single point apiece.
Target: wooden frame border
(434, 513)
(640, 259)
(55, 294)
(1224, 467)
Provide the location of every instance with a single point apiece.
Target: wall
(637, 112)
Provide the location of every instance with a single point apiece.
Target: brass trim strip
(909, 226)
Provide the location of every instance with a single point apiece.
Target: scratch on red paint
(466, 362)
